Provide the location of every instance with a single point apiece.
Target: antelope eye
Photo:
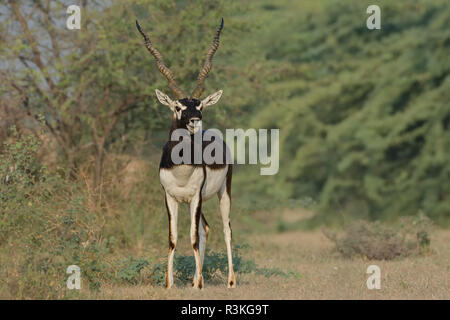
(177, 108)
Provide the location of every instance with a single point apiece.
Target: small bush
(215, 267)
(377, 241)
(131, 269)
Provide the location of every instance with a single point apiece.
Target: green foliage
(131, 270)
(96, 87)
(215, 267)
(376, 241)
(363, 115)
(45, 226)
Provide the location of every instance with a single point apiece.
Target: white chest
(184, 182)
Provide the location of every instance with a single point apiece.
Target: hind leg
(225, 207)
(196, 213)
(203, 232)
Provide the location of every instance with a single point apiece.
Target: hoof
(231, 282)
(198, 284)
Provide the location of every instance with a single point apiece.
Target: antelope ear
(164, 99)
(212, 99)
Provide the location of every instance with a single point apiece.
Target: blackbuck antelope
(192, 183)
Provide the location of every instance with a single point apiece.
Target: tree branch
(36, 54)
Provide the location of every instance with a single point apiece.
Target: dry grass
(324, 275)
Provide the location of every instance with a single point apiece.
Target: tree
(364, 114)
(94, 86)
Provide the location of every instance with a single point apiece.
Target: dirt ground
(322, 274)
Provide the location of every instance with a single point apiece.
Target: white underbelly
(183, 182)
(215, 179)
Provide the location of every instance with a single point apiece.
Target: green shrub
(131, 269)
(215, 267)
(45, 226)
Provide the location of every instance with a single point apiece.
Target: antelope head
(187, 111)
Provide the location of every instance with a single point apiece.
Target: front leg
(196, 212)
(172, 211)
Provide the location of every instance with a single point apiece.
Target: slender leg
(172, 211)
(196, 212)
(203, 232)
(225, 207)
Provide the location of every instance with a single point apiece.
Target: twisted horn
(161, 66)
(208, 65)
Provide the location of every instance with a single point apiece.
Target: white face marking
(178, 109)
(195, 128)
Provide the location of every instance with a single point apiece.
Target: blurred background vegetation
(364, 119)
